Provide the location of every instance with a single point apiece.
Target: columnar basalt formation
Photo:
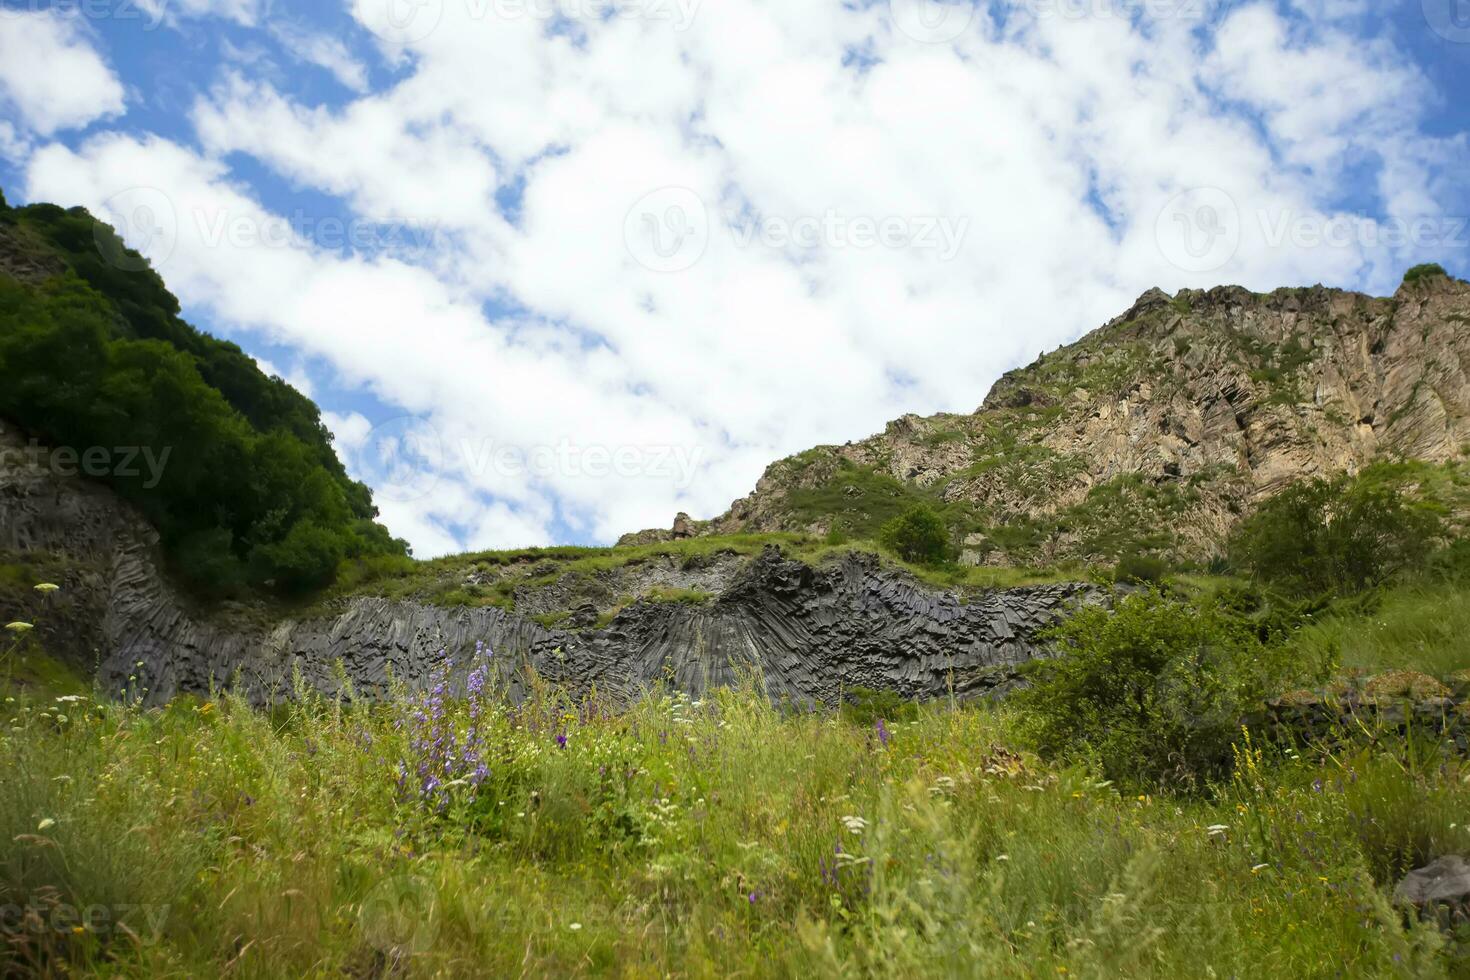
(804, 633)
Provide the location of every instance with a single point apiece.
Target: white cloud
(247, 12)
(324, 52)
(1060, 155)
(51, 75)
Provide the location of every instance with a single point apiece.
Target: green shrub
(1150, 691)
(865, 706)
(304, 560)
(919, 535)
(206, 559)
(1137, 569)
(1342, 535)
(1426, 271)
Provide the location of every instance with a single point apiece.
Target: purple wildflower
(883, 735)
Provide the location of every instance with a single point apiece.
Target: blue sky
(557, 269)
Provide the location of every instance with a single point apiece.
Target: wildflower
(47, 587)
(854, 825)
(19, 627)
(883, 735)
(575, 926)
(1259, 868)
(1217, 829)
(45, 825)
(561, 740)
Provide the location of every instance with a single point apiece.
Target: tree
(918, 535)
(1344, 535)
(1152, 690)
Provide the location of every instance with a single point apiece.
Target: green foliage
(859, 498)
(1138, 569)
(919, 536)
(683, 839)
(1428, 270)
(240, 478)
(866, 706)
(1150, 691)
(1343, 535)
(1419, 625)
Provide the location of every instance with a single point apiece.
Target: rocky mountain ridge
(805, 633)
(1154, 433)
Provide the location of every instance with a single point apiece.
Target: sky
(558, 269)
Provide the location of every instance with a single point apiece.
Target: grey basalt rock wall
(805, 632)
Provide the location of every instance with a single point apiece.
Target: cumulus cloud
(689, 239)
(50, 74)
(323, 51)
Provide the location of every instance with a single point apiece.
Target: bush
(1137, 569)
(304, 560)
(1428, 270)
(865, 707)
(1151, 691)
(918, 535)
(1340, 536)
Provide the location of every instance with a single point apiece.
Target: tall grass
(684, 838)
(1420, 626)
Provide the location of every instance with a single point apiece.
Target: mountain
(233, 467)
(1155, 433)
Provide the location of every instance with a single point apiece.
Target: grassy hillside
(234, 468)
(450, 833)
(690, 840)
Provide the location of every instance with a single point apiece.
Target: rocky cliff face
(1157, 431)
(805, 633)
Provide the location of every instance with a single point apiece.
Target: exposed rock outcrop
(1178, 417)
(805, 632)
